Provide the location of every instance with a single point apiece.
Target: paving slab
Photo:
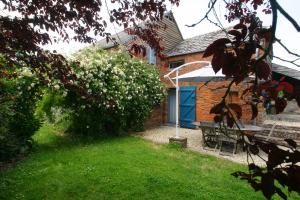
(194, 142)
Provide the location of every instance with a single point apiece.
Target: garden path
(194, 137)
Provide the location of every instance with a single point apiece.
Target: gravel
(194, 137)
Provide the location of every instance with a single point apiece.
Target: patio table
(214, 136)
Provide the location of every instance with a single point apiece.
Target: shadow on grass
(51, 137)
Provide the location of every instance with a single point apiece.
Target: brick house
(201, 97)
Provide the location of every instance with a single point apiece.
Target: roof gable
(171, 36)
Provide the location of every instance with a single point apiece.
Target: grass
(119, 168)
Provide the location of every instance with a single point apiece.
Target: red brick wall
(155, 118)
(164, 64)
(210, 95)
(206, 96)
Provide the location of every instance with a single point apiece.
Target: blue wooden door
(187, 106)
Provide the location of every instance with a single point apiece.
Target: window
(151, 57)
(175, 64)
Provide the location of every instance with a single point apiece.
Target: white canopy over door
(200, 75)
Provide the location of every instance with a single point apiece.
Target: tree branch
(228, 90)
(273, 30)
(288, 61)
(216, 24)
(287, 16)
(213, 2)
(113, 23)
(292, 53)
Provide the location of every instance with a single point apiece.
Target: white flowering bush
(117, 92)
(18, 94)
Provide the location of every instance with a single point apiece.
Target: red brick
(206, 96)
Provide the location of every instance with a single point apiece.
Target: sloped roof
(121, 38)
(124, 38)
(293, 73)
(195, 44)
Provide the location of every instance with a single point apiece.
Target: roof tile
(196, 44)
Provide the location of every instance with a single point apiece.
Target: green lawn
(119, 168)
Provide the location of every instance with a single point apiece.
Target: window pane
(175, 64)
(151, 56)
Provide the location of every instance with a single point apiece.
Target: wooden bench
(277, 134)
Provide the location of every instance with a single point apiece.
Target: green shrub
(119, 93)
(17, 106)
(48, 107)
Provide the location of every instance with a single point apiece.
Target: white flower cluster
(27, 84)
(27, 80)
(120, 80)
(25, 72)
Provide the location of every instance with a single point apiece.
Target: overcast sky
(190, 11)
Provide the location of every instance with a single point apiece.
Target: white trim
(167, 76)
(186, 64)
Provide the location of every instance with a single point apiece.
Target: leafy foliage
(17, 107)
(236, 56)
(121, 92)
(48, 107)
(286, 176)
(23, 34)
